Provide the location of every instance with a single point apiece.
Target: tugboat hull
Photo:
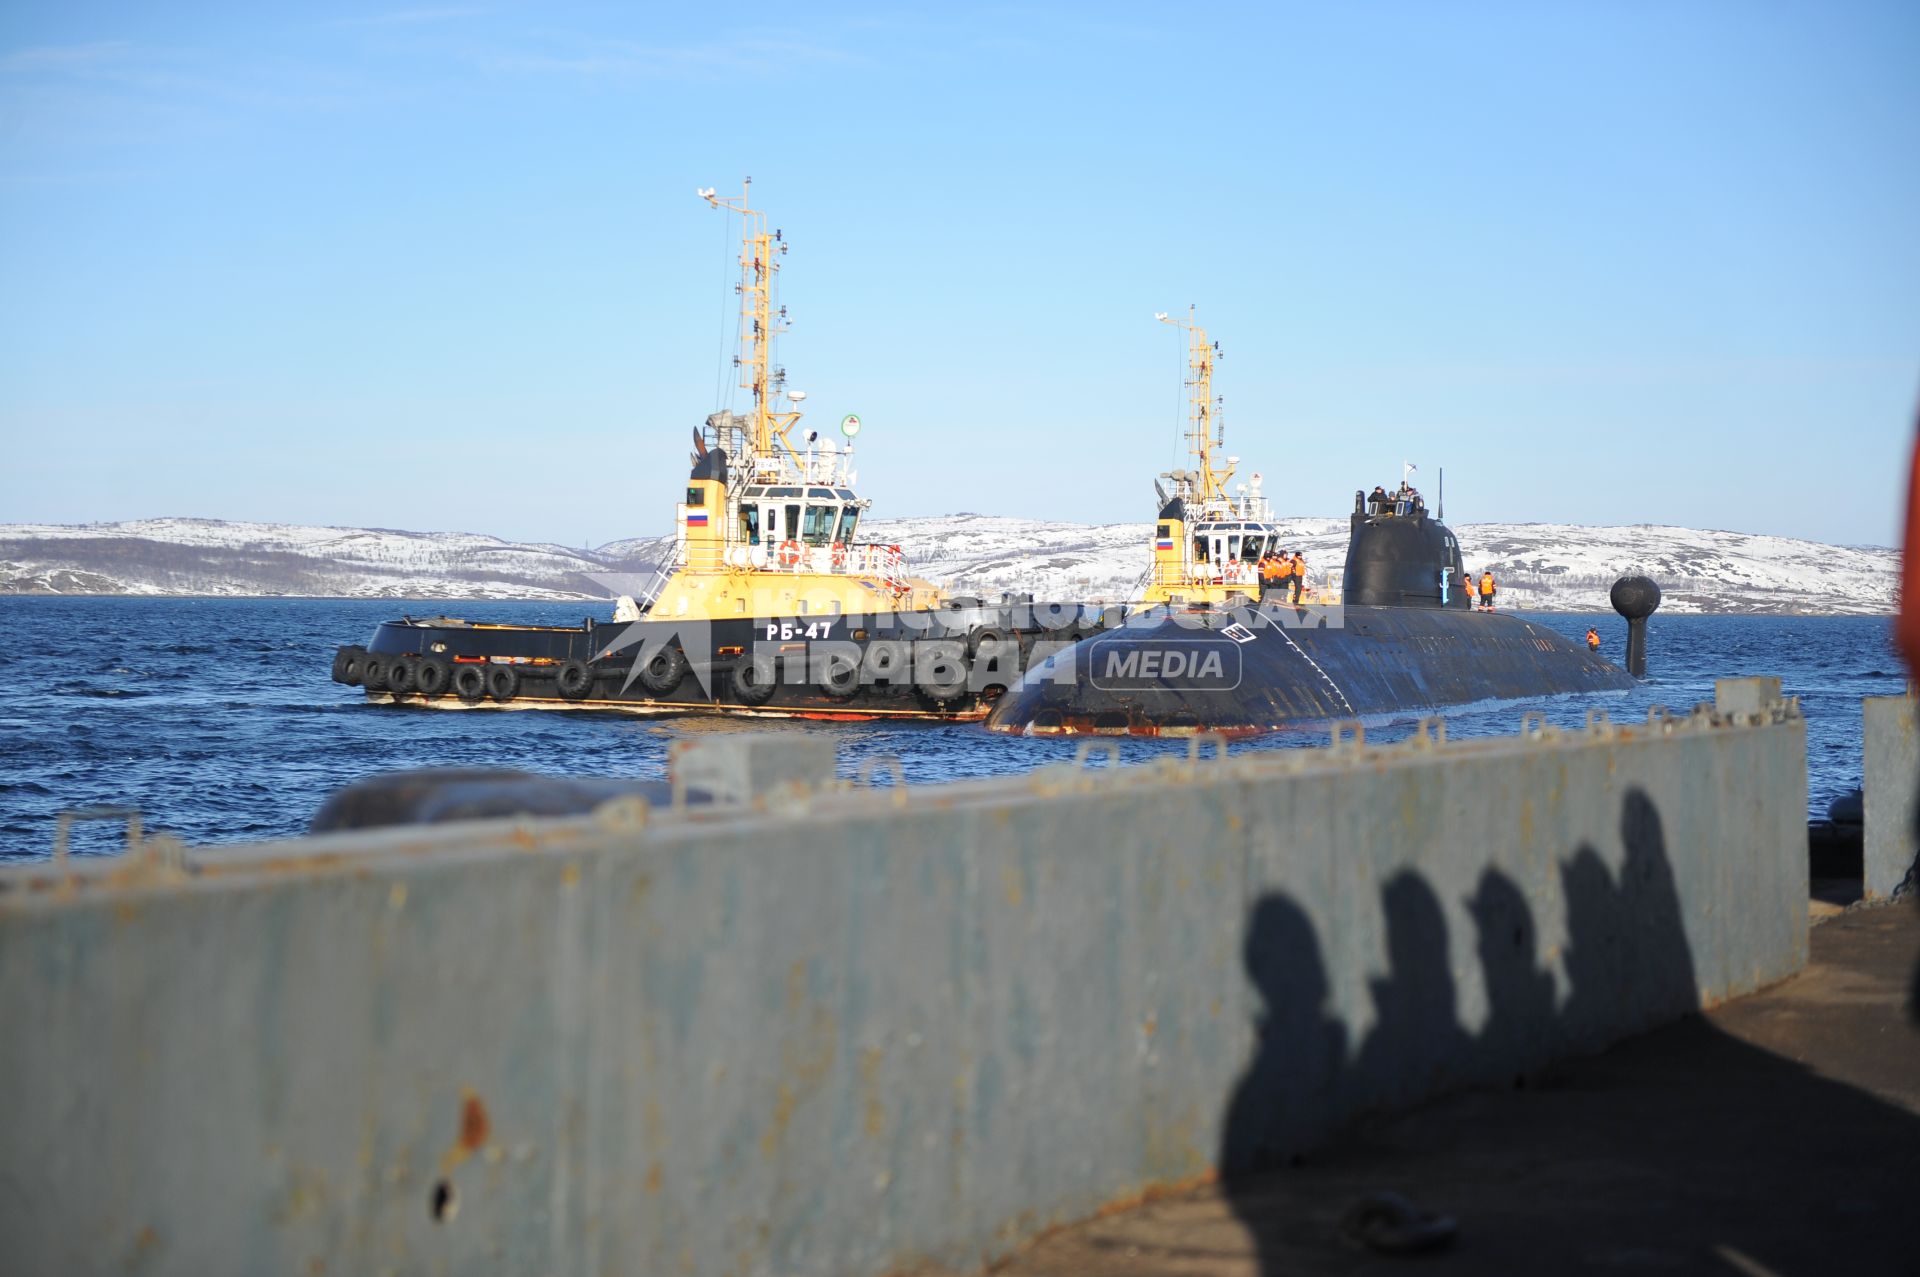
(1258, 670)
(948, 664)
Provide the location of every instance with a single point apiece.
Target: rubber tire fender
(839, 678)
(469, 683)
(573, 680)
(432, 675)
(1000, 643)
(940, 690)
(401, 673)
(981, 635)
(373, 672)
(503, 682)
(765, 680)
(664, 670)
(349, 665)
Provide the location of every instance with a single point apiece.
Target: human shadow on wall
(1686, 1147)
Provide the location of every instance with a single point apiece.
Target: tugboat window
(819, 526)
(750, 524)
(696, 496)
(1200, 549)
(848, 518)
(792, 525)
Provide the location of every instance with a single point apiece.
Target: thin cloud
(413, 17)
(623, 59)
(65, 57)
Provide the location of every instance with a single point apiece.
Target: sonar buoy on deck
(1635, 597)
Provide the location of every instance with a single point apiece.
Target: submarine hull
(1265, 669)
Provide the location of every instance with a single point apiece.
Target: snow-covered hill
(1541, 566)
(1550, 567)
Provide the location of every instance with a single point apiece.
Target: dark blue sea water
(217, 717)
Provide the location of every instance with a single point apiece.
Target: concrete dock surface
(1776, 1134)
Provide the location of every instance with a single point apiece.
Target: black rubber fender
(401, 672)
(573, 680)
(664, 670)
(940, 671)
(503, 682)
(983, 635)
(349, 665)
(469, 683)
(754, 678)
(432, 675)
(839, 677)
(373, 672)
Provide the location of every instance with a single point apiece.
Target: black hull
(1276, 668)
(948, 665)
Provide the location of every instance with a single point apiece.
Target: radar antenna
(760, 253)
(1204, 428)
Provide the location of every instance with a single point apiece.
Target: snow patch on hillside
(1549, 567)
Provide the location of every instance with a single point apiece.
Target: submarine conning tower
(1400, 555)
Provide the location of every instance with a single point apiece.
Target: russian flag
(696, 518)
(1163, 545)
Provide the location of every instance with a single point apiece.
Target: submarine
(1231, 635)
(1405, 636)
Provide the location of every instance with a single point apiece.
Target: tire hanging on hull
(503, 682)
(470, 684)
(349, 665)
(940, 672)
(839, 677)
(664, 670)
(433, 675)
(754, 679)
(573, 680)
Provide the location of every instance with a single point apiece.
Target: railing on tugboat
(1242, 574)
(886, 562)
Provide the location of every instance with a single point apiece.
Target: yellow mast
(1203, 430)
(760, 251)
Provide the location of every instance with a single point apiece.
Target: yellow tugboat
(1209, 541)
(768, 604)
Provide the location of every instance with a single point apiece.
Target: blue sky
(444, 268)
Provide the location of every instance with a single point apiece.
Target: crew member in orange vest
(1593, 639)
(1486, 590)
(1298, 570)
(1271, 576)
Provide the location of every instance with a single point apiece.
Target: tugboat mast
(1204, 432)
(760, 253)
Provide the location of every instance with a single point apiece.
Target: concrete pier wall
(1892, 758)
(847, 1030)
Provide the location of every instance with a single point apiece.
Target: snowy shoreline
(1541, 567)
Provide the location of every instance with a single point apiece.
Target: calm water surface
(217, 718)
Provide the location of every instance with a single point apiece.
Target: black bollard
(1635, 597)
